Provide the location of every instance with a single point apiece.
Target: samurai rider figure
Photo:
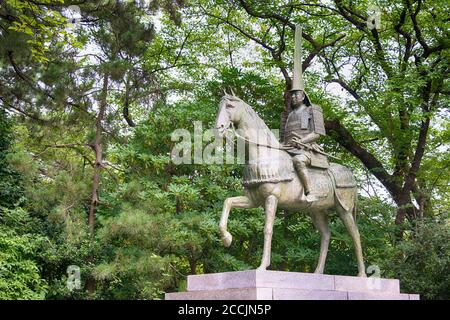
(304, 126)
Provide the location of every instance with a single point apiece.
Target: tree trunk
(98, 150)
(193, 265)
(405, 208)
(402, 201)
(97, 147)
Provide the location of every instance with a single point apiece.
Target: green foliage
(131, 269)
(20, 274)
(422, 261)
(19, 247)
(11, 189)
(32, 25)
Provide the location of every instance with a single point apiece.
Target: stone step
(381, 296)
(227, 294)
(290, 280)
(285, 294)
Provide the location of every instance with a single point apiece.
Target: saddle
(319, 160)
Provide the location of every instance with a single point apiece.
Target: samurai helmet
(297, 81)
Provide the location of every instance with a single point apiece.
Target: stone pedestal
(280, 285)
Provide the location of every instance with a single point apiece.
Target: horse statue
(270, 181)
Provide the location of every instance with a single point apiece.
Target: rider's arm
(310, 137)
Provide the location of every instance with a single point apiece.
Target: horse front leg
(241, 202)
(270, 210)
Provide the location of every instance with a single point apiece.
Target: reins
(253, 142)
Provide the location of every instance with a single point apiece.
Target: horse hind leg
(241, 202)
(320, 221)
(270, 211)
(349, 222)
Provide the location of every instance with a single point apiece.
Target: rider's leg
(300, 164)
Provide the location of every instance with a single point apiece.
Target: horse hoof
(261, 268)
(362, 275)
(227, 238)
(318, 271)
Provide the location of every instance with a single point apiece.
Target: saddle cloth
(267, 170)
(342, 176)
(336, 176)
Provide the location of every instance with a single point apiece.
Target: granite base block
(280, 285)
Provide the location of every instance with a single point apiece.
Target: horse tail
(355, 206)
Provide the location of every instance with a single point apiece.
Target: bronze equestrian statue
(294, 176)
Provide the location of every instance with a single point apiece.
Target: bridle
(231, 128)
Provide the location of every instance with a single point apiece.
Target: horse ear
(232, 92)
(224, 92)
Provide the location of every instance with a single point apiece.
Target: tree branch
(413, 16)
(344, 85)
(407, 36)
(420, 147)
(8, 105)
(341, 135)
(348, 14)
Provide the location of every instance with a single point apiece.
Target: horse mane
(259, 124)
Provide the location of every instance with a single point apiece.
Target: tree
(61, 89)
(51, 80)
(393, 94)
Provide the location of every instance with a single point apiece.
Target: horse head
(231, 111)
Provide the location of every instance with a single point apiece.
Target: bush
(11, 189)
(422, 260)
(19, 273)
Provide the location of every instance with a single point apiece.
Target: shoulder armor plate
(317, 117)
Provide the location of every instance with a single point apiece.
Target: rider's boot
(304, 178)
